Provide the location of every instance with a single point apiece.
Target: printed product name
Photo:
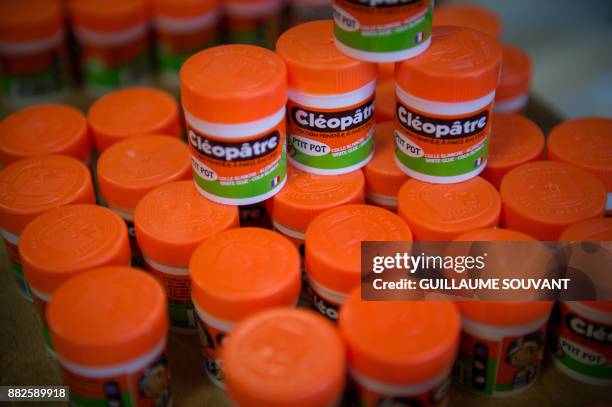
(599, 333)
(441, 128)
(240, 151)
(333, 121)
(383, 3)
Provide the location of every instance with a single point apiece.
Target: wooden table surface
(25, 361)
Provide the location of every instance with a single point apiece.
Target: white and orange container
(113, 40)
(512, 93)
(542, 198)
(234, 99)
(331, 102)
(515, 140)
(585, 143)
(444, 105)
(399, 353)
(254, 22)
(333, 250)
(285, 357)
(382, 31)
(235, 274)
(110, 330)
(43, 130)
(470, 16)
(34, 63)
(443, 212)
(65, 242)
(31, 187)
(170, 222)
(383, 177)
(132, 112)
(306, 196)
(183, 28)
(131, 168)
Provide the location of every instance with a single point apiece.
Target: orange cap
(306, 195)
(460, 65)
(233, 84)
(130, 112)
(284, 357)
(585, 143)
(35, 185)
(333, 242)
(184, 8)
(108, 15)
(131, 168)
(515, 77)
(382, 175)
(514, 140)
(505, 313)
(493, 235)
(385, 101)
(107, 316)
(594, 230)
(173, 219)
(238, 272)
(542, 198)
(445, 211)
(471, 16)
(386, 71)
(29, 20)
(316, 66)
(399, 343)
(44, 129)
(66, 241)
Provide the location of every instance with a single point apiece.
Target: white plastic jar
(445, 100)
(331, 102)
(234, 99)
(502, 345)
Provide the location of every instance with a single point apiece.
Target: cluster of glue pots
(447, 169)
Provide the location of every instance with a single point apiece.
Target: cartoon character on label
(211, 347)
(523, 355)
(154, 383)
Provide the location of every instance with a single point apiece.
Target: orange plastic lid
(585, 143)
(233, 84)
(386, 71)
(107, 316)
(130, 168)
(399, 343)
(382, 175)
(173, 219)
(131, 112)
(238, 272)
(594, 230)
(44, 129)
(493, 235)
(66, 241)
(316, 66)
(460, 65)
(35, 185)
(29, 20)
(284, 357)
(514, 140)
(385, 101)
(184, 8)
(108, 15)
(333, 242)
(445, 211)
(471, 16)
(515, 77)
(505, 313)
(542, 198)
(305, 196)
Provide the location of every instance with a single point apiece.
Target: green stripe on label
(81, 401)
(603, 371)
(391, 40)
(348, 158)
